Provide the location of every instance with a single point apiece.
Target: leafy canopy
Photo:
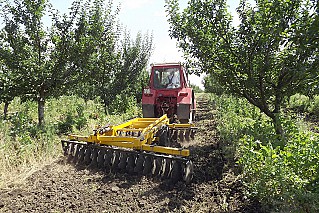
(272, 54)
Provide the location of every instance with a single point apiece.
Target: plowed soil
(63, 187)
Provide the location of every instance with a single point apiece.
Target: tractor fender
(184, 103)
(148, 103)
(185, 96)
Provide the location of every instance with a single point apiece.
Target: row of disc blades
(132, 162)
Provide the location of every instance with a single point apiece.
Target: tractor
(169, 93)
(146, 146)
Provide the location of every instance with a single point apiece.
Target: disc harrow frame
(137, 146)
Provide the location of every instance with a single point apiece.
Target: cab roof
(166, 64)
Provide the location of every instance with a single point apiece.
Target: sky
(148, 16)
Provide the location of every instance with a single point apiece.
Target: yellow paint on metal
(90, 139)
(146, 127)
(166, 150)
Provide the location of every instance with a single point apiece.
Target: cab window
(166, 78)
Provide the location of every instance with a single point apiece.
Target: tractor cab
(168, 93)
(168, 76)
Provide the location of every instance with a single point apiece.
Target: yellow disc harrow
(139, 146)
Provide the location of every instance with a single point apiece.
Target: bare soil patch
(63, 187)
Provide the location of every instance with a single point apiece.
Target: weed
(314, 105)
(299, 102)
(286, 176)
(24, 144)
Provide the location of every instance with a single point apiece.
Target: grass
(26, 147)
(284, 178)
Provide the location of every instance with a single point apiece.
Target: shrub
(72, 119)
(287, 178)
(299, 102)
(23, 144)
(124, 105)
(314, 105)
(283, 173)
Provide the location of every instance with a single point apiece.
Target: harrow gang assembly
(141, 145)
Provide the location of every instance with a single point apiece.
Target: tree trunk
(5, 110)
(277, 125)
(275, 116)
(106, 103)
(41, 103)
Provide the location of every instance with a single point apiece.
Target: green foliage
(304, 104)
(112, 63)
(34, 56)
(22, 124)
(286, 178)
(196, 88)
(283, 176)
(23, 143)
(71, 119)
(299, 102)
(123, 104)
(269, 56)
(213, 86)
(314, 105)
(236, 118)
(84, 52)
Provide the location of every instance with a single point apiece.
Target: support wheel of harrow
(123, 159)
(81, 154)
(164, 136)
(181, 135)
(108, 158)
(187, 134)
(192, 135)
(71, 153)
(158, 162)
(77, 153)
(65, 147)
(87, 155)
(166, 169)
(174, 135)
(94, 155)
(115, 160)
(100, 158)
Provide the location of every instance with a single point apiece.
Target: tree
(196, 88)
(211, 85)
(108, 61)
(40, 55)
(8, 88)
(93, 54)
(83, 53)
(12, 55)
(272, 54)
(130, 76)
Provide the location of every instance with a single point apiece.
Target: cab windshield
(166, 78)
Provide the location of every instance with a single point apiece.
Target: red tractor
(146, 145)
(169, 93)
